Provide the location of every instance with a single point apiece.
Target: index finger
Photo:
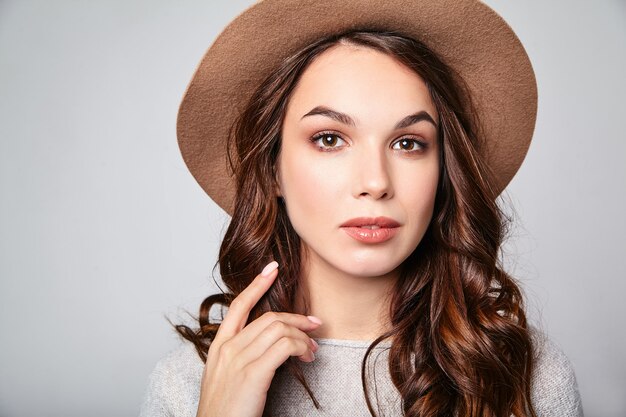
(240, 307)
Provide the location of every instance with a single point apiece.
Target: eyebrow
(347, 120)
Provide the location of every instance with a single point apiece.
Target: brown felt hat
(466, 34)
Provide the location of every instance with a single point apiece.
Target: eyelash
(321, 135)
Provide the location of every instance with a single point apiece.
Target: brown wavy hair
(460, 341)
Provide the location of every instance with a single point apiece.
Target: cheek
(418, 193)
(309, 190)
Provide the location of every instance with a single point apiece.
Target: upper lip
(380, 221)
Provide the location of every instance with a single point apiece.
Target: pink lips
(386, 229)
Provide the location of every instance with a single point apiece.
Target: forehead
(362, 81)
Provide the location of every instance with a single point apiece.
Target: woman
(367, 152)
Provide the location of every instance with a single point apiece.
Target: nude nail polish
(269, 268)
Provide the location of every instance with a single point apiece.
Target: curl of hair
(460, 341)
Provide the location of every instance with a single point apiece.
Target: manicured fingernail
(269, 268)
(314, 319)
(315, 343)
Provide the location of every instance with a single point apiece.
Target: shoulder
(554, 389)
(174, 384)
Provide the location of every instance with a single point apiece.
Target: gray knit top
(335, 379)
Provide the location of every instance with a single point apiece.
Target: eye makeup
(319, 140)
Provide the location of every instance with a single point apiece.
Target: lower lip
(371, 235)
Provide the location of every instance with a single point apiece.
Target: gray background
(104, 231)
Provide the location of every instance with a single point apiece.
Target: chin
(359, 262)
(370, 267)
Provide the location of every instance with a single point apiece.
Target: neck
(350, 307)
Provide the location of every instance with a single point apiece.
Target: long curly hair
(461, 344)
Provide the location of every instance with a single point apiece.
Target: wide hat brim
(467, 35)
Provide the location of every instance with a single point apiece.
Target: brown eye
(327, 140)
(409, 145)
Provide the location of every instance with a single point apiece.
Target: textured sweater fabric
(335, 379)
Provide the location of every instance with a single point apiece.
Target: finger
(276, 331)
(264, 323)
(275, 356)
(240, 307)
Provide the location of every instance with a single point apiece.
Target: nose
(373, 175)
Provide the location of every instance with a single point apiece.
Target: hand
(242, 360)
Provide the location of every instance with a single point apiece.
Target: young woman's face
(359, 139)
